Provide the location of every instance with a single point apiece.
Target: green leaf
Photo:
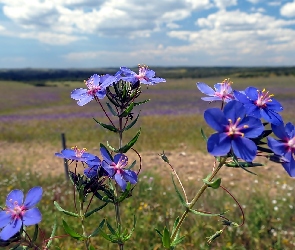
(103, 146)
(127, 110)
(203, 135)
(95, 210)
(98, 229)
(139, 103)
(111, 109)
(204, 214)
(125, 148)
(52, 234)
(244, 164)
(71, 231)
(213, 184)
(91, 248)
(59, 208)
(175, 224)
(35, 235)
(112, 148)
(127, 236)
(107, 126)
(178, 193)
(132, 165)
(126, 193)
(112, 230)
(177, 241)
(159, 233)
(132, 123)
(166, 238)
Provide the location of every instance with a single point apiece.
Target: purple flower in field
(18, 213)
(285, 147)
(116, 168)
(96, 87)
(93, 167)
(77, 154)
(260, 104)
(145, 75)
(233, 130)
(223, 91)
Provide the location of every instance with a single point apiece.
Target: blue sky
(112, 33)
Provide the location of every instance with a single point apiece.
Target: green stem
(83, 227)
(196, 198)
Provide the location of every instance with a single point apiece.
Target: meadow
(32, 119)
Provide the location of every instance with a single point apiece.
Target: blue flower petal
(77, 93)
(279, 131)
(219, 144)
(15, 197)
(32, 216)
(107, 80)
(271, 116)
(290, 167)
(234, 110)
(5, 218)
(255, 127)
(211, 98)
(205, 89)
(274, 105)
(127, 72)
(244, 148)
(11, 229)
(216, 119)
(158, 80)
(91, 172)
(121, 182)
(149, 73)
(130, 176)
(85, 99)
(34, 195)
(110, 170)
(252, 110)
(241, 97)
(131, 79)
(252, 93)
(106, 155)
(119, 157)
(278, 147)
(290, 129)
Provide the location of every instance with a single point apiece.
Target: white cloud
(288, 10)
(254, 1)
(274, 3)
(222, 4)
(2, 28)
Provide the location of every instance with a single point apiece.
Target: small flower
(223, 91)
(77, 154)
(260, 104)
(93, 167)
(233, 130)
(18, 213)
(284, 147)
(96, 88)
(116, 168)
(145, 75)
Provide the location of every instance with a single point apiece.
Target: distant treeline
(43, 75)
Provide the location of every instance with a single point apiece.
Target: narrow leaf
(177, 241)
(132, 123)
(127, 110)
(107, 126)
(204, 214)
(213, 184)
(158, 231)
(203, 135)
(35, 235)
(95, 210)
(125, 148)
(139, 103)
(112, 230)
(111, 109)
(166, 238)
(179, 194)
(71, 231)
(132, 165)
(59, 208)
(52, 234)
(98, 229)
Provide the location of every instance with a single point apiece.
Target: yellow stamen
(245, 126)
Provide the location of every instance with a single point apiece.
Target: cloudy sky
(111, 33)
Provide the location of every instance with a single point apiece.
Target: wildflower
(223, 91)
(77, 154)
(96, 88)
(18, 213)
(233, 130)
(145, 75)
(260, 104)
(116, 168)
(284, 147)
(93, 167)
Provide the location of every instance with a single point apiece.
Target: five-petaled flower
(96, 87)
(145, 75)
(116, 168)
(18, 213)
(285, 146)
(77, 154)
(233, 130)
(223, 91)
(260, 104)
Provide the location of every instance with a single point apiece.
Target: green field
(32, 119)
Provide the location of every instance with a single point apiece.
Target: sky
(113, 33)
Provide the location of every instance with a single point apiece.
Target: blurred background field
(33, 115)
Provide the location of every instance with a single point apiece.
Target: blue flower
(96, 88)
(77, 154)
(284, 147)
(18, 213)
(233, 130)
(260, 104)
(223, 91)
(93, 167)
(116, 168)
(145, 75)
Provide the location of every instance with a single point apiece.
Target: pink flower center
(79, 152)
(92, 88)
(263, 98)
(225, 90)
(233, 128)
(142, 72)
(122, 163)
(17, 211)
(291, 143)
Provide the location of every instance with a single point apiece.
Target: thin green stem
(196, 198)
(83, 227)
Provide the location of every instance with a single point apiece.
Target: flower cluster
(239, 128)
